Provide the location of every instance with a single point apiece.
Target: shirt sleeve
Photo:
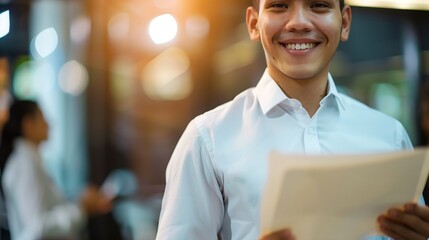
(192, 206)
(41, 211)
(402, 139)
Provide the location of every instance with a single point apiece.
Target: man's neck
(308, 91)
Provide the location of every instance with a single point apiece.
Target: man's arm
(412, 221)
(192, 206)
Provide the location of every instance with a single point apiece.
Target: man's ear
(346, 23)
(252, 23)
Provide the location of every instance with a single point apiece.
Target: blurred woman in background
(35, 208)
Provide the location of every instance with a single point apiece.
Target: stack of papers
(337, 197)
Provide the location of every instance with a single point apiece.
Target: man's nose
(298, 20)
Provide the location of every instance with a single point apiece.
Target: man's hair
(256, 4)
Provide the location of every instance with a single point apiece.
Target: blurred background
(119, 80)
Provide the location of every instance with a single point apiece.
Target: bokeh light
(4, 23)
(22, 84)
(119, 27)
(33, 78)
(121, 78)
(174, 84)
(73, 78)
(80, 29)
(197, 27)
(235, 56)
(387, 99)
(46, 42)
(163, 29)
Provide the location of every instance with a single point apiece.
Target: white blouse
(217, 171)
(35, 208)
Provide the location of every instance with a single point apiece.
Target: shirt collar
(270, 95)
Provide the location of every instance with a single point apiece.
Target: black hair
(256, 4)
(18, 111)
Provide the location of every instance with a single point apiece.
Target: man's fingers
(397, 230)
(284, 234)
(409, 219)
(421, 211)
(391, 234)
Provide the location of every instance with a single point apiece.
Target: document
(337, 197)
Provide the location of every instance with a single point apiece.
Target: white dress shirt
(35, 208)
(217, 171)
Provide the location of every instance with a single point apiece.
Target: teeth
(300, 46)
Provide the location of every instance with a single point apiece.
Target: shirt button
(311, 131)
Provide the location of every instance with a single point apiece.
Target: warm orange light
(167, 76)
(163, 29)
(119, 27)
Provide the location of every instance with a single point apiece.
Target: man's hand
(284, 234)
(409, 223)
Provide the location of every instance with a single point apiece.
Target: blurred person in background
(35, 207)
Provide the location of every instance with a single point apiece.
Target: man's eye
(279, 5)
(320, 5)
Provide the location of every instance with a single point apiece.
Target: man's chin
(300, 75)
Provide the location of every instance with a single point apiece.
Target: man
(217, 171)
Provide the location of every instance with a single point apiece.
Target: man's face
(299, 37)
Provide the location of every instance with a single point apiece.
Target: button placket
(311, 140)
(311, 131)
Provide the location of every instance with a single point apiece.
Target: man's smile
(299, 46)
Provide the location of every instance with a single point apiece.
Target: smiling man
(217, 171)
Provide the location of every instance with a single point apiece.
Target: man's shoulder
(228, 119)
(225, 113)
(358, 109)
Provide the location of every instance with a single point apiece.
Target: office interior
(119, 80)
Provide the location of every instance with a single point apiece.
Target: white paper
(337, 197)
